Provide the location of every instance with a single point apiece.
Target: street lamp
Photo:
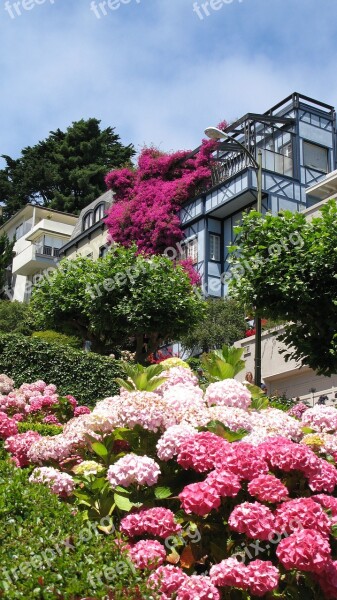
(217, 134)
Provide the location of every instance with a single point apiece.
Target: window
(103, 251)
(190, 250)
(99, 213)
(88, 220)
(214, 247)
(315, 157)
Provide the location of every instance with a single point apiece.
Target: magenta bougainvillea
(148, 199)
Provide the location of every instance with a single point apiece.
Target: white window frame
(215, 251)
(190, 250)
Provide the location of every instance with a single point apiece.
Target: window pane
(190, 250)
(315, 157)
(214, 247)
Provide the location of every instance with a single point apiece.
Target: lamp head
(215, 134)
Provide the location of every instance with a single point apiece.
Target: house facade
(297, 138)
(39, 234)
(90, 232)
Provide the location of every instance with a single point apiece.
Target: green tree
(6, 252)
(121, 296)
(15, 317)
(65, 171)
(224, 323)
(286, 266)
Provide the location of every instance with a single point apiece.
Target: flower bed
(202, 492)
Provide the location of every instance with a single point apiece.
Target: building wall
(88, 247)
(34, 228)
(282, 377)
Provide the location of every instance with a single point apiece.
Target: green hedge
(58, 338)
(87, 376)
(41, 428)
(47, 552)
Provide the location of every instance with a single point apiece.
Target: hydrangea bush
(35, 402)
(210, 497)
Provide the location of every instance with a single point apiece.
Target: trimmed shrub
(47, 551)
(61, 339)
(87, 376)
(41, 428)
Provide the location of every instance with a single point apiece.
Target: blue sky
(156, 70)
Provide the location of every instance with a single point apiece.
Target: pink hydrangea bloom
(298, 410)
(59, 483)
(306, 550)
(8, 427)
(255, 520)
(180, 397)
(320, 418)
(225, 483)
(178, 376)
(166, 580)
(154, 521)
(199, 498)
(170, 442)
(267, 488)
(51, 420)
(81, 410)
(199, 452)
(327, 579)
(51, 448)
(323, 478)
(302, 513)
(230, 573)
(133, 469)
(288, 456)
(147, 554)
(263, 577)
(6, 384)
(198, 588)
(72, 401)
(19, 446)
(228, 393)
(18, 417)
(242, 459)
(329, 503)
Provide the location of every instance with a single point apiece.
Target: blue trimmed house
(297, 138)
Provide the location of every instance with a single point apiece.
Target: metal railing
(48, 251)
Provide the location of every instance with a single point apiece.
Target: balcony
(35, 258)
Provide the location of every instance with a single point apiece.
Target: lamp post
(217, 134)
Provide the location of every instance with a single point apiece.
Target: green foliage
(6, 252)
(66, 170)
(144, 379)
(47, 551)
(42, 428)
(281, 402)
(224, 323)
(222, 364)
(15, 317)
(286, 267)
(58, 338)
(121, 296)
(87, 376)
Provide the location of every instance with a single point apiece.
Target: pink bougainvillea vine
(148, 200)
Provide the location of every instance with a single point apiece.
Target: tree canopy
(65, 171)
(121, 296)
(224, 323)
(286, 266)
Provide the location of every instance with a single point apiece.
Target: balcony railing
(47, 251)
